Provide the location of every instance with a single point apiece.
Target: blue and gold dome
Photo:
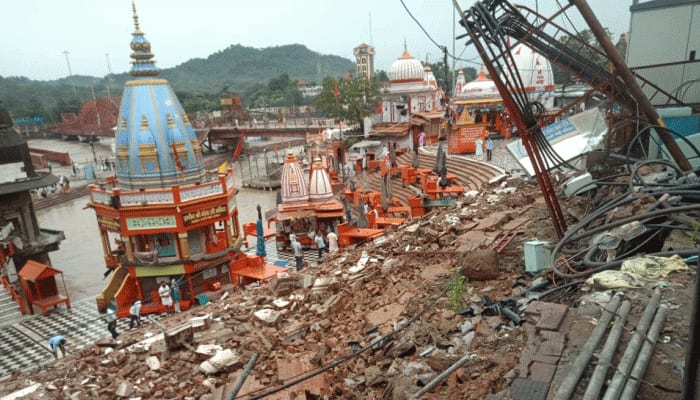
(156, 144)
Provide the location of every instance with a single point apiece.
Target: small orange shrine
(40, 286)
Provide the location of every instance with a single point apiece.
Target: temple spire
(142, 58)
(136, 17)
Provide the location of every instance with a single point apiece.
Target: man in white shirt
(332, 242)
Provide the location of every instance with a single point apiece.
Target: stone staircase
(9, 309)
(470, 174)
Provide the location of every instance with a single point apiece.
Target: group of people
(327, 244)
(169, 297)
(479, 148)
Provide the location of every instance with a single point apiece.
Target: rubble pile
(379, 314)
(383, 320)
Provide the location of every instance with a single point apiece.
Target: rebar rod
(640, 366)
(598, 378)
(626, 363)
(568, 386)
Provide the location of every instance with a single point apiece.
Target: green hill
(237, 68)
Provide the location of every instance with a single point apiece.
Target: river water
(80, 256)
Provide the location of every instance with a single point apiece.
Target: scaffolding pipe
(625, 365)
(568, 386)
(443, 375)
(244, 375)
(631, 82)
(606, 355)
(640, 366)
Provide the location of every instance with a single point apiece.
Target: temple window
(194, 241)
(165, 243)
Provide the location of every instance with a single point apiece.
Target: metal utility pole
(109, 73)
(70, 73)
(621, 68)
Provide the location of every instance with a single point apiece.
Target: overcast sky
(37, 32)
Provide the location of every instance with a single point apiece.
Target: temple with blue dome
(163, 216)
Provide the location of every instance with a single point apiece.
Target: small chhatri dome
(294, 187)
(320, 188)
(156, 145)
(143, 63)
(480, 88)
(406, 69)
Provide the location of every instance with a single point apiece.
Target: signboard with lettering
(146, 223)
(109, 223)
(462, 138)
(195, 217)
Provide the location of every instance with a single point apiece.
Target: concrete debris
(221, 360)
(389, 313)
(153, 363)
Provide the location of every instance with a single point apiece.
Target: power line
(442, 48)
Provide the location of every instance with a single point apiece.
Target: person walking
(421, 138)
(57, 342)
(135, 314)
(298, 253)
(321, 244)
(165, 296)
(175, 289)
(489, 148)
(332, 242)
(111, 319)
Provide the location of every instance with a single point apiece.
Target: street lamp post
(70, 72)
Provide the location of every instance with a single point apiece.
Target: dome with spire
(406, 69)
(156, 144)
(429, 77)
(480, 88)
(320, 188)
(293, 184)
(534, 69)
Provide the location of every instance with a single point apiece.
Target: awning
(476, 102)
(399, 129)
(329, 214)
(160, 270)
(283, 216)
(366, 143)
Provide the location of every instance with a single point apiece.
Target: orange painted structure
(40, 287)
(190, 231)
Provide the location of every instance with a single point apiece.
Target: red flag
(238, 150)
(336, 92)
(176, 157)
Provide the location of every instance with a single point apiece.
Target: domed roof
(406, 69)
(535, 70)
(156, 144)
(480, 88)
(294, 187)
(320, 188)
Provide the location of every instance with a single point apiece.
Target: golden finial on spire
(136, 17)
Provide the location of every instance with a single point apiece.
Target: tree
(350, 100)
(443, 76)
(381, 75)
